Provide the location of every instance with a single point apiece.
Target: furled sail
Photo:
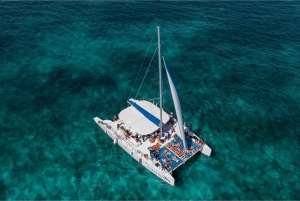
(176, 103)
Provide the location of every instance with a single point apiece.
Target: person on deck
(169, 158)
(116, 117)
(144, 137)
(168, 164)
(152, 155)
(137, 137)
(102, 122)
(162, 138)
(178, 145)
(167, 136)
(171, 118)
(175, 137)
(173, 129)
(188, 131)
(190, 150)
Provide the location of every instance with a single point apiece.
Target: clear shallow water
(236, 66)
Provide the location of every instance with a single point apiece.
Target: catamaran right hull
(206, 150)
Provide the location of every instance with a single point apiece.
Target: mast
(160, 78)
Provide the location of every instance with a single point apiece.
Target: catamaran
(156, 139)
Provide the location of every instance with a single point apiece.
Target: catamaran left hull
(132, 150)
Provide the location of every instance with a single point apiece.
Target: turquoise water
(237, 69)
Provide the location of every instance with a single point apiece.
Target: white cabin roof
(136, 117)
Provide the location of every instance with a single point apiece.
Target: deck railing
(119, 137)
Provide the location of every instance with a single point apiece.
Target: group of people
(154, 153)
(128, 132)
(190, 150)
(199, 141)
(188, 132)
(157, 135)
(164, 136)
(102, 122)
(167, 163)
(178, 144)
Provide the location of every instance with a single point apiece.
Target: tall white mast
(160, 79)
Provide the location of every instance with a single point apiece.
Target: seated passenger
(190, 150)
(125, 129)
(167, 136)
(168, 158)
(144, 138)
(196, 139)
(171, 118)
(101, 122)
(168, 164)
(116, 117)
(137, 137)
(173, 129)
(157, 156)
(152, 155)
(158, 137)
(175, 137)
(178, 145)
(164, 166)
(200, 142)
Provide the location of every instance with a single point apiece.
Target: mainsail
(176, 103)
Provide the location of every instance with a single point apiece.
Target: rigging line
(150, 88)
(156, 98)
(146, 73)
(141, 65)
(166, 108)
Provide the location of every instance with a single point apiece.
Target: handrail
(119, 137)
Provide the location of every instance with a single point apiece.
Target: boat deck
(167, 152)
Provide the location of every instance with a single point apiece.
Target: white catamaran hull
(149, 164)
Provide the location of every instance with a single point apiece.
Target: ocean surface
(237, 70)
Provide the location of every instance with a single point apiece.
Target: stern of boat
(206, 150)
